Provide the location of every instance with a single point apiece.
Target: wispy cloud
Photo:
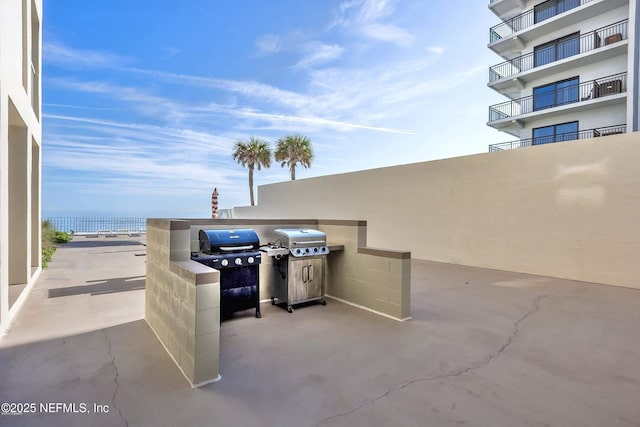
(323, 122)
(388, 33)
(253, 89)
(339, 98)
(144, 157)
(136, 98)
(367, 18)
(76, 107)
(191, 111)
(149, 134)
(59, 54)
(353, 12)
(269, 43)
(171, 51)
(319, 53)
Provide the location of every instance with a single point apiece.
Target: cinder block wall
(376, 279)
(182, 301)
(567, 210)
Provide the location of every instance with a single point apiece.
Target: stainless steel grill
(236, 254)
(299, 262)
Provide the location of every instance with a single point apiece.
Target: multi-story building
(20, 151)
(570, 69)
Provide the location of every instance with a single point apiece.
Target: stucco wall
(20, 142)
(569, 210)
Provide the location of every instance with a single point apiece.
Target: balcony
(506, 7)
(571, 136)
(607, 89)
(510, 37)
(602, 44)
(527, 19)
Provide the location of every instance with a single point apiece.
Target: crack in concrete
(457, 373)
(115, 379)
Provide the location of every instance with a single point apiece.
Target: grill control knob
(307, 250)
(224, 262)
(238, 261)
(250, 260)
(298, 251)
(315, 249)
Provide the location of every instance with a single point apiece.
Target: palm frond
(294, 149)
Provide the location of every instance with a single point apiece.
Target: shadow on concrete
(95, 243)
(138, 252)
(101, 287)
(14, 292)
(122, 368)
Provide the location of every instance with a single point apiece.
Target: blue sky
(143, 100)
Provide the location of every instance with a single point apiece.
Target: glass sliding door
(556, 50)
(567, 132)
(555, 133)
(544, 11)
(564, 5)
(568, 46)
(551, 8)
(544, 54)
(543, 135)
(567, 91)
(554, 94)
(544, 97)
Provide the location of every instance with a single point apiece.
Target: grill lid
(301, 237)
(226, 241)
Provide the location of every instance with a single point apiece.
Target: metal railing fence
(529, 18)
(566, 95)
(587, 42)
(80, 225)
(571, 136)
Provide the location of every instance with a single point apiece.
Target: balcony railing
(90, 225)
(540, 13)
(571, 136)
(587, 42)
(566, 95)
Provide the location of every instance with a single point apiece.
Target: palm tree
(292, 150)
(253, 154)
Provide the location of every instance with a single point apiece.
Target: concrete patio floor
(484, 348)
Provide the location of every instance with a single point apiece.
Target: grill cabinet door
(308, 277)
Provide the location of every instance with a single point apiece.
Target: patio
(483, 348)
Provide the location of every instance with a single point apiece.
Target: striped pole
(214, 203)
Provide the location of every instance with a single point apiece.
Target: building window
(557, 50)
(554, 94)
(555, 133)
(551, 8)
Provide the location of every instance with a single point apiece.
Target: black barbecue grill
(236, 255)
